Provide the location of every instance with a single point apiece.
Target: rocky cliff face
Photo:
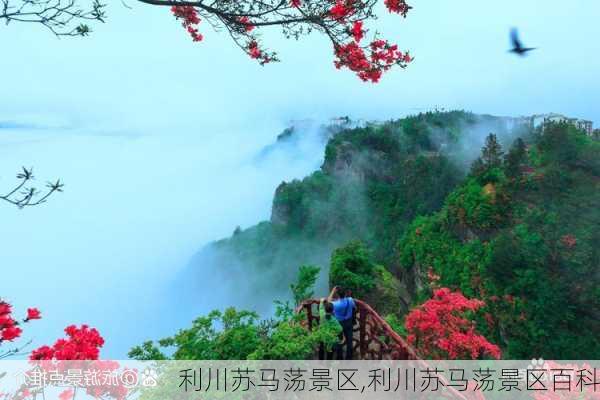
(374, 180)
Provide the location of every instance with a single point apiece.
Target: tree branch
(61, 17)
(23, 196)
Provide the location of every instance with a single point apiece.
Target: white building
(542, 119)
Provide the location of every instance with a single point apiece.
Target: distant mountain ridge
(371, 174)
(425, 201)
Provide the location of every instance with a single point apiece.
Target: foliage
(373, 182)
(396, 324)
(288, 341)
(352, 269)
(440, 328)
(491, 153)
(525, 246)
(303, 289)
(386, 295)
(241, 335)
(147, 351)
(515, 159)
(517, 233)
(238, 336)
(477, 206)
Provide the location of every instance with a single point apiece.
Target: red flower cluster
(439, 330)
(256, 53)
(382, 56)
(253, 49)
(397, 6)
(357, 31)
(248, 27)
(190, 20)
(345, 22)
(82, 344)
(9, 327)
(341, 9)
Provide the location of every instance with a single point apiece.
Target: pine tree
(515, 158)
(491, 153)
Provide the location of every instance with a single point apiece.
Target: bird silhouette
(517, 45)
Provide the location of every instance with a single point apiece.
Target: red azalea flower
(43, 353)
(10, 333)
(254, 50)
(369, 67)
(6, 321)
(190, 19)
(397, 6)
(341, 10)
(5, 308)
(357, 31)
(248, 27)
(439, 328)
(83, 343)
(33, 313)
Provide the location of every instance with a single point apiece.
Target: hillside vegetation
(402, 208)
(521, 233)
(373, 182)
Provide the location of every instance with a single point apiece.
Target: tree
(352, 268)
(440, 328)
(341, 21)
(515, 158)
(492, 152)
(23, 196)
(240, 335)
(304, 288)
(487, 167)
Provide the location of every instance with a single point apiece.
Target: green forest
(402, 208)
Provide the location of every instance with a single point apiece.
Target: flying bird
(517, 45)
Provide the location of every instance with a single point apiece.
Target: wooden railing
(373, 338)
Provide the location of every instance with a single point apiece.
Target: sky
(155, 137)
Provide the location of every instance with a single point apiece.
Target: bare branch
(23, 196)
(15, 352)
(61, 17)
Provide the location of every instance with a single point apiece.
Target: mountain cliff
(375, 179)
(403, 207)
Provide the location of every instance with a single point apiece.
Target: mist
(161, 142)
(137, 206)
(469, 144)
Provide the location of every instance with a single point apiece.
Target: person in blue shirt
(343, 310)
